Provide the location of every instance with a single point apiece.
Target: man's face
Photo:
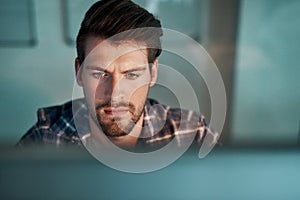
(115, 80)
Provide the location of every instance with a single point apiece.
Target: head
(117, 49)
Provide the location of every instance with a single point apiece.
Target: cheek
(139, 95)
(89, 89)
(132, 90)
(137, 91)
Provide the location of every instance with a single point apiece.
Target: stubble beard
(115, 126)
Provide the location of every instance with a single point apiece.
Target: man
(117, 47)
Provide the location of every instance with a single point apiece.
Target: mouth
(116, 111)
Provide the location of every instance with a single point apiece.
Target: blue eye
(100, 75)
(131, 75)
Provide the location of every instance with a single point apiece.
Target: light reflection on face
(115, 80)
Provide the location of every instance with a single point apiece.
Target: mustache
(114, 105)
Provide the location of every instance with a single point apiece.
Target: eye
(100, 75)
(131, 75)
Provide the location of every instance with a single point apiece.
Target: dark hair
(108, 18)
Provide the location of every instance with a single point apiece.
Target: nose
(110, 88)
(117, 92)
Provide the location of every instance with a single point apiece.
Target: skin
(115, 79)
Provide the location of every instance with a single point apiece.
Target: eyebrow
(125, 71)
(95, 68)
(135, 69)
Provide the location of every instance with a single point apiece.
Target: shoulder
(49, 116)
(54, 125)
(181, 124)
(176, 114)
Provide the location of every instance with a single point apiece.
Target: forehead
(105, 52)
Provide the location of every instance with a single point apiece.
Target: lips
(116, 111)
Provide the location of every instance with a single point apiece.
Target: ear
(154, 70)
(78, 72)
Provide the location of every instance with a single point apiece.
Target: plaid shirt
(57, 126)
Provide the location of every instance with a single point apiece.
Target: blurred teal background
(225, 174)
(266, 99)
(255, 44)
